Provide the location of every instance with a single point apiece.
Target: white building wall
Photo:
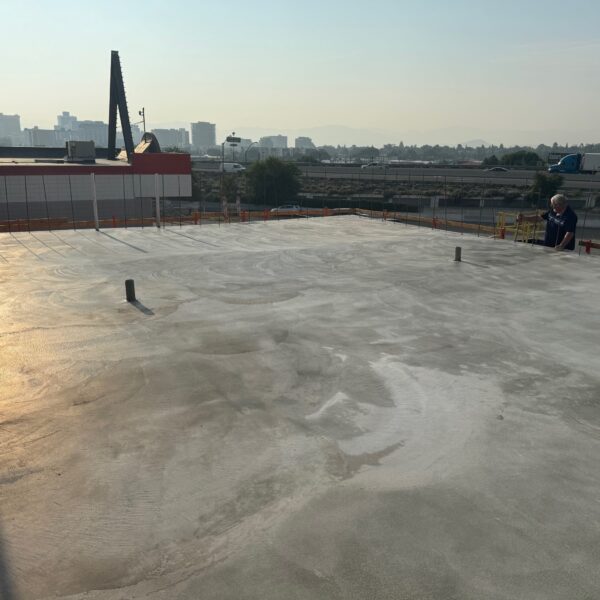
(14, 188)
(36, 188)
(57, 188)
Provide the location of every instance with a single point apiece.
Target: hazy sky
(426, 71)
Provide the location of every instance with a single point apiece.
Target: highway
(515, 177)
(450, 175)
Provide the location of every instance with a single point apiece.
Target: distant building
(173, 138)
(69, 128)
(273, 141)
(136, 133)
(41, 137)
(203, 136)
(10, 130)
(66, 121)
(304, 143)
(94, 131)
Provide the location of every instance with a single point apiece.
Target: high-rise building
(66, 124)
(41, 137)
(66, 121)
(68, 127)
(173, 138)
(92, 131)
(204, 136)
(10, 130)
(304, 143)
(273, 141)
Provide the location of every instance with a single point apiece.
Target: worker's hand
(558, 247)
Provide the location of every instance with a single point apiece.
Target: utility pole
(232, 141)
(142, 114)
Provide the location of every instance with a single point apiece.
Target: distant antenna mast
(118, 100)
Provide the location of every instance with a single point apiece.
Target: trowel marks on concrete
(324, 408)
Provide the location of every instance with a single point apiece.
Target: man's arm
(566, 239)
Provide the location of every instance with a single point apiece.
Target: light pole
(233, 141)
(142, 114)
(246, 151)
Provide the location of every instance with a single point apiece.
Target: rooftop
(316, 408)
(56, 162)
(159, 162)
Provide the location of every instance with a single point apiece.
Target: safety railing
(504, 226)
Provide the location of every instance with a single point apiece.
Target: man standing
(561, 223)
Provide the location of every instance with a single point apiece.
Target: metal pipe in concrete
(457, 254)
(130, 290)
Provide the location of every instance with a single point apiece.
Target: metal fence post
(157, 197)
(46, 203)
(72, 205)
(95, 202)
(7, 205)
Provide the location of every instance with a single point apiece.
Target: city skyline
(341, 73)
(357, 137)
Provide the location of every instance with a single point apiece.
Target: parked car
(498, 169)
(287, 208)
(373, 165)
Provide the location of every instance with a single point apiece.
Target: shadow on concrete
(63, 241)
(191, 237)
(25, 246)
(141, 307)
(7, 589)
(44, 244)
(112, 237)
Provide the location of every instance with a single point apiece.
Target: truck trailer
(577, 163)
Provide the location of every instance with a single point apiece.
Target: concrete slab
(308, 409)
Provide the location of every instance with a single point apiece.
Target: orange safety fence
(498, 230)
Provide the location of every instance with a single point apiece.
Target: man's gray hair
(558, 200)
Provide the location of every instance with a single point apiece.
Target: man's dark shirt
(558, 225)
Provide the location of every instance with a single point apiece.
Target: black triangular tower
(118, 100)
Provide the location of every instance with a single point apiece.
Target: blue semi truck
(577, 163)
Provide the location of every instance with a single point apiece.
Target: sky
(341, 71)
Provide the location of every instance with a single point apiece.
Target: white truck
(230, 167)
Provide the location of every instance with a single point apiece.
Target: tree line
(500, 154)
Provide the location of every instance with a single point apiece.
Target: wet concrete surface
(309, 409)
